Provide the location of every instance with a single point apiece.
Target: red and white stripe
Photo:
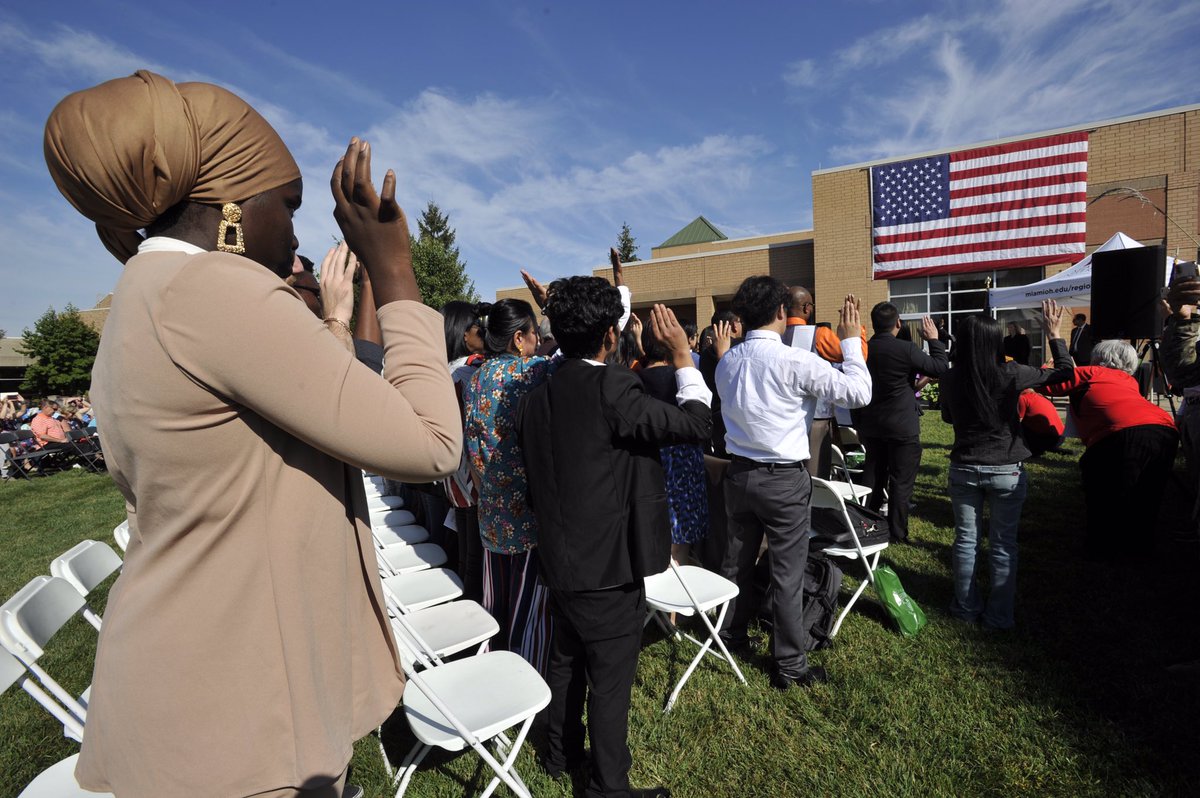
(1017, 204)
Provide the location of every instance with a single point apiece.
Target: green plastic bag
(904, 611)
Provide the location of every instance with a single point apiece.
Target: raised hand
(539, 291)
(849, 323)
(373, 224)
(1052, 316)
(614, 258)
(722, 337)
(928, 329)
(337, 283)
(1184, 296)
(666, 328)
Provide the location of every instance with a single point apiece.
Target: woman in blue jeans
(979, 397)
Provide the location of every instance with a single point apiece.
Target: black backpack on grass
(829, 527)
(822, 581)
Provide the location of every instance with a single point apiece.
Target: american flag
(1017, 204)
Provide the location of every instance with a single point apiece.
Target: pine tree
(441, 273)
(63, 349)
(627, 244)
(440, 277)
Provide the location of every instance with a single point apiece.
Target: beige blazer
(245, 645)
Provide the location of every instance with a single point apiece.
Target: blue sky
(541, 128)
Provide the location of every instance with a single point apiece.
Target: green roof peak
(698, 231)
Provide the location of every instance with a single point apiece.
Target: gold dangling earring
(233, 218)
(520, 350)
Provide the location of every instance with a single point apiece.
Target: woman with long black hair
(979, 397)
(512, 591)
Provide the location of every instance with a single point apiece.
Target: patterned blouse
(506, 523)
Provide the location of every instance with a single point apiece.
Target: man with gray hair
(1131, 446)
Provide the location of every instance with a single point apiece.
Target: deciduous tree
(63, 349)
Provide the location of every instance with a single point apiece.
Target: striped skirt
(514, 595)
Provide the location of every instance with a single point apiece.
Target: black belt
(737, 458)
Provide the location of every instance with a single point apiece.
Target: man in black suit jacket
(1081, 341)
(590, 437)
(889, 427)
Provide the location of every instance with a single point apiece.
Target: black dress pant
(470, 552)
(1124, 475)
(594, 654)
(761, 501)
(892, 464)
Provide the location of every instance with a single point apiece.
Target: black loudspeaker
(1126, 288)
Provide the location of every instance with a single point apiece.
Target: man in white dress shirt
(768, 393)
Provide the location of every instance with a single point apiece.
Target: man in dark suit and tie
(1081, 341)
(590, 437)
(889, 427)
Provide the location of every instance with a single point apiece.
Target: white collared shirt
(769, 391)
(168, 244)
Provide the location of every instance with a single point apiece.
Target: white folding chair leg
(513, 780)
(705, 648)
(862, 585)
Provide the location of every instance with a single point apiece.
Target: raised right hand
(722, 337)
(666, 328)
(373, 224)
(849, 322)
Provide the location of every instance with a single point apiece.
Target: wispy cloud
(801, 74)
(1007, 68)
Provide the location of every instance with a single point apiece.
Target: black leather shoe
(558, 771)
(650, 792)
(813, 675)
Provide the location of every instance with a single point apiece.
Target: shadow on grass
(1093, 642)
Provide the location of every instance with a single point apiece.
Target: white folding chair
(401, 534)
(401, 558)
(29, 620)
(824, 495)
(470, 702)
(388, 516)
(379, 501)
(416, 591)
(121, 535)
(690, 590)
(85, 566)
(57, 781)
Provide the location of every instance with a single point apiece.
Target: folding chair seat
(401, 558)
(57, 781)
(416, 591)
(824, 495)
(447, 629)
(386, 516)
(121, 534)
(691, 590)
(405, 534)
(30, 619)
(384, 502)
(471, 702)
(85, 566)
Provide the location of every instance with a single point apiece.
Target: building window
(951, 297)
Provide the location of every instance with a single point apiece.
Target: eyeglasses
(314, 291)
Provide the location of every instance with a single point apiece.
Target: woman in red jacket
(1131, 446)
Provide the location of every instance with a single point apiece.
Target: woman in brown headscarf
(246, 645)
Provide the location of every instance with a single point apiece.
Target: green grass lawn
(1076, 701)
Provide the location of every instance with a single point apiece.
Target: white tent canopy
(1071, 287)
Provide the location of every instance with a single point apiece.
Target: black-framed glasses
(314, 291)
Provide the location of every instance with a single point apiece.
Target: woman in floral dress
(512, 590)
